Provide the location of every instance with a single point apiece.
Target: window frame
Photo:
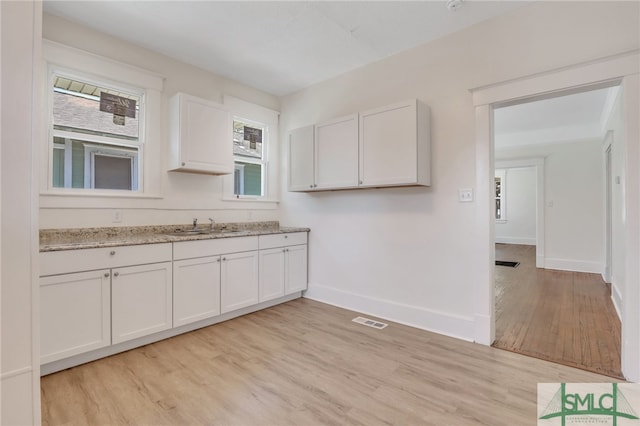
(85, 65)
(268, 120)
(262, 162)
(54, 71)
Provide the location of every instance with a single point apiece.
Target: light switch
(465, 195)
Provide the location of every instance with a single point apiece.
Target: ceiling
(283, 46)
(580, 116)
(278, 46)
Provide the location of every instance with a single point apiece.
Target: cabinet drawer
(214, 247)
(281, 240)
(60, 262)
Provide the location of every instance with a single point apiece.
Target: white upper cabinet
(395, 145)
(201, 137)
(336, 153)
(301, 173)
(388, 146)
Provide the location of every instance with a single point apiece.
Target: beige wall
(20, 369)
(183, 196)
(405, 254)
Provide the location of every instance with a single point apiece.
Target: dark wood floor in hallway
(560, 316)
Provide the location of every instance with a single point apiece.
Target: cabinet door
(300, 177)
(204, 136)
(272, 273)
(388, 150)
(238, 281)
(196, 289)
(336, 153)
(296, 269)
(75, 314)
(140, 300)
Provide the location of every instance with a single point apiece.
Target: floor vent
(370, 323)
(508, 264)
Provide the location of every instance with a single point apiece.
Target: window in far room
(250, 140)
(500, 195)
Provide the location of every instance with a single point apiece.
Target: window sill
(97, 194)
(249, 199)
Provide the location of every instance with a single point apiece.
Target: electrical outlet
(117, 216)
(465, 195)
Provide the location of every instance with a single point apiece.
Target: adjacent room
(266, 213)
(554, 222)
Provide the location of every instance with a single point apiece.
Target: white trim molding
(457, 326)
(608, 71)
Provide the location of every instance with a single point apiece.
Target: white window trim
(72, 61)
(268, 120)
(90, 153)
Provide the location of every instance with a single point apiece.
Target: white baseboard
(574, 265)
(451, 325)
(516, 240)
(18, 398)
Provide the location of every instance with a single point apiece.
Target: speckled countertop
(83, 238)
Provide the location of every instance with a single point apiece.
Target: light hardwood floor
(560, 316)
(304, 363)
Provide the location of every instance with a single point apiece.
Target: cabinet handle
(310, 186)
(218, 260)
(286, 250)
(112, 252)
(360, 182)
(115, 274)
(184, 164)
(224, 259)
(315, 185)
(286, 236)
(106, 275)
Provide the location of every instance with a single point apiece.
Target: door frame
(538, 164)
(619, 69)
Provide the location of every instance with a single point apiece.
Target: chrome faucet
(212, 224)
(195, 223)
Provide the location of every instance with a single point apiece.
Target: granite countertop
(83, 238)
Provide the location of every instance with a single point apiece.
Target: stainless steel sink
(188, 232)
(185, 233)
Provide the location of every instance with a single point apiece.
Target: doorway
(554, 305)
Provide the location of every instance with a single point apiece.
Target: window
(500, 194)
(97, 134)
(255, 152)
(249, 143)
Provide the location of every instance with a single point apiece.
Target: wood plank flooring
(560, 316)
(304, 363)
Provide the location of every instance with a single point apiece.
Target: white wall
(20, 370)
(574, 203)
(183, 196)
(520, 192)
(404, 254)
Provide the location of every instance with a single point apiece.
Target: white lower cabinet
(272, 275)
(141, 301)
(196, 289)
(75, 314)
(146, 289)
(283, 264)
(295, 269)
(238, 281)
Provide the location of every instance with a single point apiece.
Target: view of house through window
(249, 142)
(96, 136)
